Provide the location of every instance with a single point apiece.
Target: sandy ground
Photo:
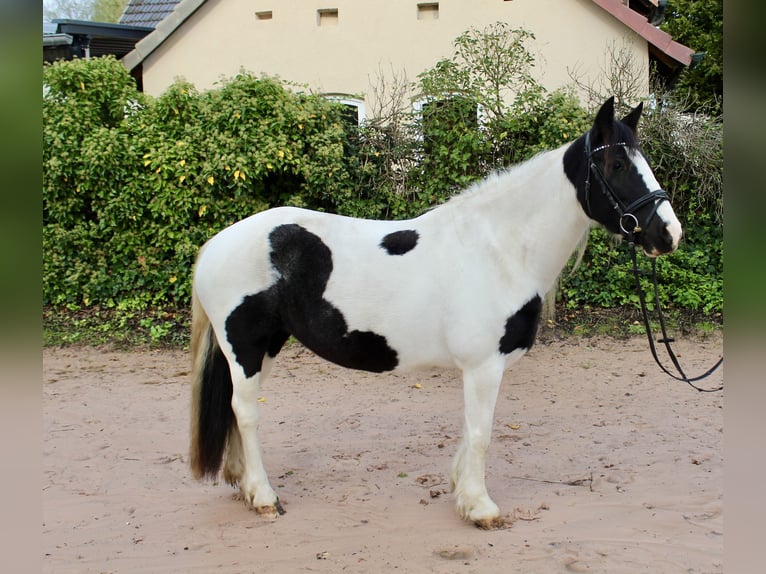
(601, 463)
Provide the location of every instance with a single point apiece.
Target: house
(340, 47)
(65, 39)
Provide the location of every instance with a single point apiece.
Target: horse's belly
(376, 334)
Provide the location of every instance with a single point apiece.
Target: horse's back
(250, 244)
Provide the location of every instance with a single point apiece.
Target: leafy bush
(134, 185)
(690, 279)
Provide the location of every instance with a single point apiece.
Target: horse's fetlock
(231, 477)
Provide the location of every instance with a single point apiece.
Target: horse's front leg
(480, 388)
(244, 462)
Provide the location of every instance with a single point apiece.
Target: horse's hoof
(495, 523)
(270, 511)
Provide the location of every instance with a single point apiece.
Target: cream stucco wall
(224, 36)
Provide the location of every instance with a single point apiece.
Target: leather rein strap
(665, 339)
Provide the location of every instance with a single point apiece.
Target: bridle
(626, 212)
(630, 230)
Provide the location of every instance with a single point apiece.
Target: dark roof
(147, 12)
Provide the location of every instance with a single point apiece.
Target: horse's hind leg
(234, 463)
(480, 388)
(244, 462)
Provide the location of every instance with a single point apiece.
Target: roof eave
(164, 29)
(57, 40)
(88, 27)
(661, 40)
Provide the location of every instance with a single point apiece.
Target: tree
(699, 25)
(67, 9)
(489, 66)
(108, 10)
(95, 10)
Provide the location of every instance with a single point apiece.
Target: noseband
(628, 221)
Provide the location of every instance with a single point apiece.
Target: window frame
(351, 101)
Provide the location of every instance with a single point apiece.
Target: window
(327, 17)
(354, 112)
(263, 15)
(428, 11)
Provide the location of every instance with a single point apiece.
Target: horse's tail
(211, 412)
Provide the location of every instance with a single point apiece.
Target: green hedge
(134, 185)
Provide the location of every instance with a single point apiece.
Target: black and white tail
(211, 412)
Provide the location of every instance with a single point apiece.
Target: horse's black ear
(631, 120)
(602, 126)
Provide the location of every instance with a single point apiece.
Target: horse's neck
(532, 214)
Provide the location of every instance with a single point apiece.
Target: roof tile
(147, 12)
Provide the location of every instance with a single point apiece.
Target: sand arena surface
(601, 463)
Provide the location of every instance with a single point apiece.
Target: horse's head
(616, 186)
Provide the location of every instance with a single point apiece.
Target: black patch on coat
(295, 305)
(400, 242)
(576, 166)
(521, 327)
(254, 329)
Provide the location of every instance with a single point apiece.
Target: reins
(630, 229)
(666, 340)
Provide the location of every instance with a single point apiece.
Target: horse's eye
(617, 165)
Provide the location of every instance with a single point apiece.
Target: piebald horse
(459, 286)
